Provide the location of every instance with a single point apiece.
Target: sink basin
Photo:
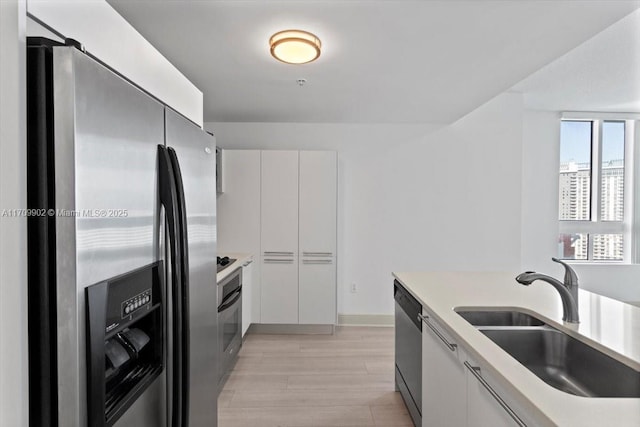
(565, 363)
(500, 318)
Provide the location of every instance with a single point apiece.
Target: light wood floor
(345, 379)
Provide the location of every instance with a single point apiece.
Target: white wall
(13, 278)
(413, 197)
(540, 160)
(108, 36)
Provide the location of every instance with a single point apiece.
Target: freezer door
(105, 141)
(195, 151)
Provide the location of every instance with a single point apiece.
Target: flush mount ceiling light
(295, 46)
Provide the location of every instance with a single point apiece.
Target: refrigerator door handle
(169, 199)
(184, 283)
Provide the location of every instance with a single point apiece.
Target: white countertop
(609, 325)
(241, 259)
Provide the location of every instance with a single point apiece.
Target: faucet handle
(570, 276)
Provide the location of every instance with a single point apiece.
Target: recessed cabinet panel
(279, 205)
(239, 206)
(317, 291)
(279, 302)
(318, 184)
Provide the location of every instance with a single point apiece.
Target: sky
(575, 141)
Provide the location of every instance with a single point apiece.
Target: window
(595, 216)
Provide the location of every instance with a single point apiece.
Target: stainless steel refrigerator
(122, 249)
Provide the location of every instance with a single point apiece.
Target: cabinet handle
(278, 260)
(326, 254)
(425, 319)
(475, 370)
(276, 253)
(317, 261)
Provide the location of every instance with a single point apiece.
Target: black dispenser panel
(125, 341)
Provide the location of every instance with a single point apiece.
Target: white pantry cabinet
(279, 237)
(318, 181)
(282, 207)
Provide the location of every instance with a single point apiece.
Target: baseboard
(366, 319)
(288, 329)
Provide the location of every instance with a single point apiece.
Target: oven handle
(230, 300)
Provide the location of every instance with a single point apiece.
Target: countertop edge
(241, 260)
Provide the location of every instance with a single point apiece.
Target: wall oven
(229, 322)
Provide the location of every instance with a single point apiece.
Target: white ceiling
(382, 61)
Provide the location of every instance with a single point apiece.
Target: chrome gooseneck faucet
(568, 290)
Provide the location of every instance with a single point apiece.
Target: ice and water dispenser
(124, 341)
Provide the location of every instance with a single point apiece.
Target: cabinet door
(279, 237)
(279, 302)
(238, 211)
(318, 198)
(239, 206)
(443, 378)
(279, 205)
(485, 402)
(317, 287)
(317, 237)
(247, 296)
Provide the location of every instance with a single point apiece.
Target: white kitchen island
(605, 324)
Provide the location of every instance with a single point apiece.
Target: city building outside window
(596, 191)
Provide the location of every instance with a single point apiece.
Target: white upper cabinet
(279, 205)
(318, 184)
(239, 205)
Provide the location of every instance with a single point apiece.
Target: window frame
(629, 227)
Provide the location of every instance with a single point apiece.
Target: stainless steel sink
(499, 318)
(556, 358)
(565, 363)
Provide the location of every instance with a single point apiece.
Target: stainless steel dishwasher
(408, 351)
